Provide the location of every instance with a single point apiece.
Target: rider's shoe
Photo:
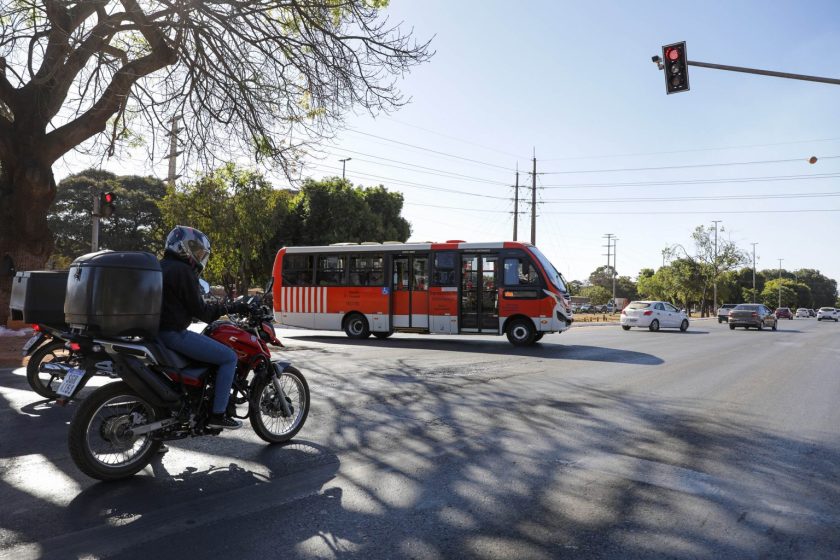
(224, 422)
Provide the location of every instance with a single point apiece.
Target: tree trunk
(27, 189)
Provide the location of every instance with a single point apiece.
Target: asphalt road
(596, 443)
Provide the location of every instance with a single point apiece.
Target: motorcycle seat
(168, 357)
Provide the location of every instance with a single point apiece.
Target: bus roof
(391, 246)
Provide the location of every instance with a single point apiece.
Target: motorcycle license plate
(35, 339)
(71, 381)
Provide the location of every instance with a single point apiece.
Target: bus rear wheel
(521, 332)
(356, 326)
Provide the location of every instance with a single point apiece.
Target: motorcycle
(165, 396)
(50, 359)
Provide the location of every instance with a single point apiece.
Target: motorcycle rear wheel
(100, 439)
(45, 383)
(266, 414)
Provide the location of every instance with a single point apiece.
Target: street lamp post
(344, 165)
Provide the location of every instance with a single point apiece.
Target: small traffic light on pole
(107, 204)
(675, 61)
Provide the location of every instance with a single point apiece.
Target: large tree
(258, 77)
(137, 224)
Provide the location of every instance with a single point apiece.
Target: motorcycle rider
(186, 254)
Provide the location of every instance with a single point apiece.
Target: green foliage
(770, 294)
(135, 226)
(598, 295)
(333, 211)
(680, 283)
(238, 211)
(823, 289)
(794, 294)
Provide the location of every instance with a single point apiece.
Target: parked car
(723, 311)
(828, 314)
(803, 312)
(653, 315)
(812, 313)
(752, 315)
(784, 313)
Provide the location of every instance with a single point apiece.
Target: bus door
(479, 294)
(410, 281)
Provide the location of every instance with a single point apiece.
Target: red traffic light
(109, 197)
(676, 67)
(672, 54)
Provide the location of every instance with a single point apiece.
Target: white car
(802, 312)
(828, 314)
(653, 315)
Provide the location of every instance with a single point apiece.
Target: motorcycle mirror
(205, 286)
(269, 285)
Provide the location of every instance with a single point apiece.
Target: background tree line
(689, 278)
(246, 218)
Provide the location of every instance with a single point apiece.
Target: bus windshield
(553, 276)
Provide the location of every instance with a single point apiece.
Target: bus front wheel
(521, 332)
(356, 326)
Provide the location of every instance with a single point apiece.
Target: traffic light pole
(94, 236)
(764, 72)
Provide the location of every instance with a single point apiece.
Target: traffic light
(107, 204)
(675, 60)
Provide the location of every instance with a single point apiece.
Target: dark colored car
(752, 315)
(784, 313)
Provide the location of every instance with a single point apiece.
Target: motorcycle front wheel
(101, 441)
(267, 415)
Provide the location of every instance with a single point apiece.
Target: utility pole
(516, 205)
(609, 246)
(615, 252)
(780, 283)
(344, 165)
(173, 151)
(714, 279)
(94, 234)
(534, 201)
(753, 298)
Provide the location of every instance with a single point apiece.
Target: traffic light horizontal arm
(764, 72)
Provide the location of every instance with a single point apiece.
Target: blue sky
(573, 82)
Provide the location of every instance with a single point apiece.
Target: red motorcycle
(164, 396)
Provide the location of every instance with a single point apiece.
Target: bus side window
(297, 270)
(520, 272)
(330, 270)
(445, 269)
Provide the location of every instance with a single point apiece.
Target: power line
(687, 198)
(413, 184)
(690, 150)
(693, 166)
(431, 170)
(455, 138)
(669, 212)
(693, 181)
(430, 150)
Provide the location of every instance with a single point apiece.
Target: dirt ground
(10, 347)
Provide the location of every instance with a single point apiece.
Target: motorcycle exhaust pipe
(147, 384)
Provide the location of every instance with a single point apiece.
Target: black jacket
(181, 297)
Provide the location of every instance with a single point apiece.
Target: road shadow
(542, 349)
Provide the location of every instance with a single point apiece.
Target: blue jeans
(205, 349)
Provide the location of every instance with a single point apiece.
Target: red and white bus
(441, 288)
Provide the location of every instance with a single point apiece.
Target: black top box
(38, 297)
(115, 293)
